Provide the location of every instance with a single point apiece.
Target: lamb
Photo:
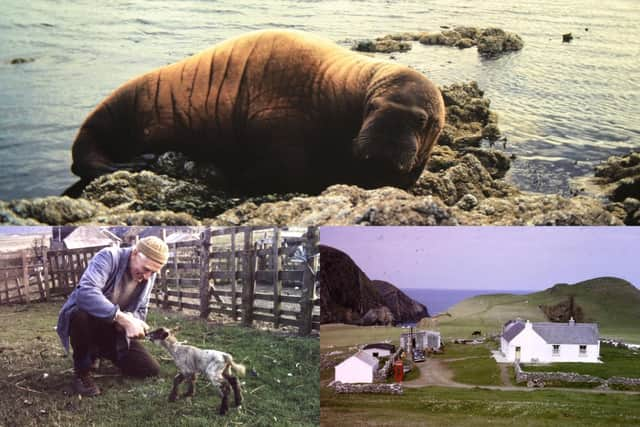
(190, 361)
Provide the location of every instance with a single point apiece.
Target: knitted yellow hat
(154, 249)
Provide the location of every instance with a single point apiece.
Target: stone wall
(377, 388)
(538, 378)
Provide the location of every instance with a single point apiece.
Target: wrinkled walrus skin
(275, 111)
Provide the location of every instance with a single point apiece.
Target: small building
(547, 342)
(380, 349)
(359, 368)
(420, 340)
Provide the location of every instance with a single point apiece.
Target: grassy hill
(611, 302)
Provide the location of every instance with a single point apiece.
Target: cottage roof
(366, 358)
(380, 345)
(511, 330)
(557, 333)
(567, 333)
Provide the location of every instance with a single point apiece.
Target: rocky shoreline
(462, 185)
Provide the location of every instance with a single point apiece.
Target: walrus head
(402, 118)
(110, 139)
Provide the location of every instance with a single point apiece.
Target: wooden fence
(248, 274)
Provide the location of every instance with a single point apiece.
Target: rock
(490, 41)
(382, 45)
(467, 202)
(349, 296)
(465, 43)
(50, 210)
(16, 61)
(617, 179)
(377, 316)
(494, 41)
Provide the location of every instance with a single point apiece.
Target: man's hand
(135, 328)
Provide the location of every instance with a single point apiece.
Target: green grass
(617, 362)
(441, 406)
(284, 391)
(476, 366)
(489, 312)
(341, 335)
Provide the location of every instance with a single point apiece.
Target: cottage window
(375, 354)
(556, 350)
(583, 350)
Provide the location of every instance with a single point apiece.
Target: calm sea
(563, 106)
(440, 300)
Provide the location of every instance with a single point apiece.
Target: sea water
(564, 107)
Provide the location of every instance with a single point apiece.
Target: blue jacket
(103, 274)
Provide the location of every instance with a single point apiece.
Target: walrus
(274, 111)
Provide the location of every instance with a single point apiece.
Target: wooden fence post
(25, 276)
(277, 284)
(308, 283)
(233, 262)
(205, 295)
(248, 276)
(45, 273)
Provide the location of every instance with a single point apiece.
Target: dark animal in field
(476, 333)
(273, 111)
(191, 361)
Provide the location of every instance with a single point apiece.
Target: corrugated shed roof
(563, 333)
(382, 345)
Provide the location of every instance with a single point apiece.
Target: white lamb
(190, 361)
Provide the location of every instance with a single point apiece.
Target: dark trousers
(92, 337)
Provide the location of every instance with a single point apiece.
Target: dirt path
(433, 372)
(504, 374)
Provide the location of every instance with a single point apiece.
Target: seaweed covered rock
(469, 120)
(617, 179)
(382, 45)
(148, 191)
(49, 210)
(494, 41)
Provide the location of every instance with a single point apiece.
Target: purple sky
(505, 258)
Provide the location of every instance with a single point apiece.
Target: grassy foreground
(440, 406)
(35, 377)
(617, 362)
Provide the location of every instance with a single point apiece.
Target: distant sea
(440, 300)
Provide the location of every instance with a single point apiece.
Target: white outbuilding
(546, 342)
(380, 349)
(359, 368)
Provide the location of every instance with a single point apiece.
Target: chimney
(572, 322)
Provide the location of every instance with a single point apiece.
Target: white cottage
(359, 368)
(546, 342)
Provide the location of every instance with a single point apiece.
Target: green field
(610, 302)
(450, 406)
(616, 362)
(281, 388)
(440, 406)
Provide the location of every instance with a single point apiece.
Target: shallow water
(563, 106)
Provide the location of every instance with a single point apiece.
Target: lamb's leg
(235, 385)
(174, 391)
(214, 373)
(224, 394)
(192, 386)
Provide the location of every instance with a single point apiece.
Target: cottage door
(517, 353)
